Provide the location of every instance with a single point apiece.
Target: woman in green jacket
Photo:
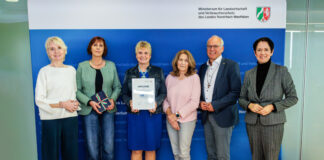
(92, 77)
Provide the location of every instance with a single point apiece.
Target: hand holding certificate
(143, 93)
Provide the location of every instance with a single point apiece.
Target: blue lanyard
(143, 74)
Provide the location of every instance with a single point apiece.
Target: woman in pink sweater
(181, 103)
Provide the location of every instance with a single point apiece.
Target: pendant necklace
(210, 79)
(96, 65)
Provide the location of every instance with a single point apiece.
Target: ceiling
(11, 12)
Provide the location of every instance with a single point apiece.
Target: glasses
(213, 46)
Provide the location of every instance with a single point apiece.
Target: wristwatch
(177, 115)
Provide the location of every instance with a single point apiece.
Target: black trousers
(60, 134)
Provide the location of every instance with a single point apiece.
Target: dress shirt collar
(217, 61)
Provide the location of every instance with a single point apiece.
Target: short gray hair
(215, 36)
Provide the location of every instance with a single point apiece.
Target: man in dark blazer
(221, 84)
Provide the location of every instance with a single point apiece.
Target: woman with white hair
(55, 96)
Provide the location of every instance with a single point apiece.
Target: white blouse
(55, 84)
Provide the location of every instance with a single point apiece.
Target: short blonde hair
(143, 44)
(57, 41)
(191, 64)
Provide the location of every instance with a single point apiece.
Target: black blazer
(226, 92)
(160, 89)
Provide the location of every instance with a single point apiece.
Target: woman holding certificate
(98, 89)
(268, 90)
(144, 125)
(56, 100)
(181, 103)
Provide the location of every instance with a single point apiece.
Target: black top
(99, 80)
(98, 83)
(262, 71)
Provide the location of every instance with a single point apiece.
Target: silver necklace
(97, 65)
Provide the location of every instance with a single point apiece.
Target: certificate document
(143, 93)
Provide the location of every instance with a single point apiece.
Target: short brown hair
(93, 40)
(191, 64)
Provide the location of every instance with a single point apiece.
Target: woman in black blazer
(267, 91)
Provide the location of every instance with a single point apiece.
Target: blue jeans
(99, 131)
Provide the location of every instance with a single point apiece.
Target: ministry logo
(263, 13)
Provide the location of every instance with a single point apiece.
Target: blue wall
(165, 44)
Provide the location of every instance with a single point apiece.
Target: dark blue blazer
(226, 93)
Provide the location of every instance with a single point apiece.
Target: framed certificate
(143, 93)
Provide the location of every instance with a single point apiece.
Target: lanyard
(143, 74)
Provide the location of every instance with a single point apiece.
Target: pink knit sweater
(183, 96)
